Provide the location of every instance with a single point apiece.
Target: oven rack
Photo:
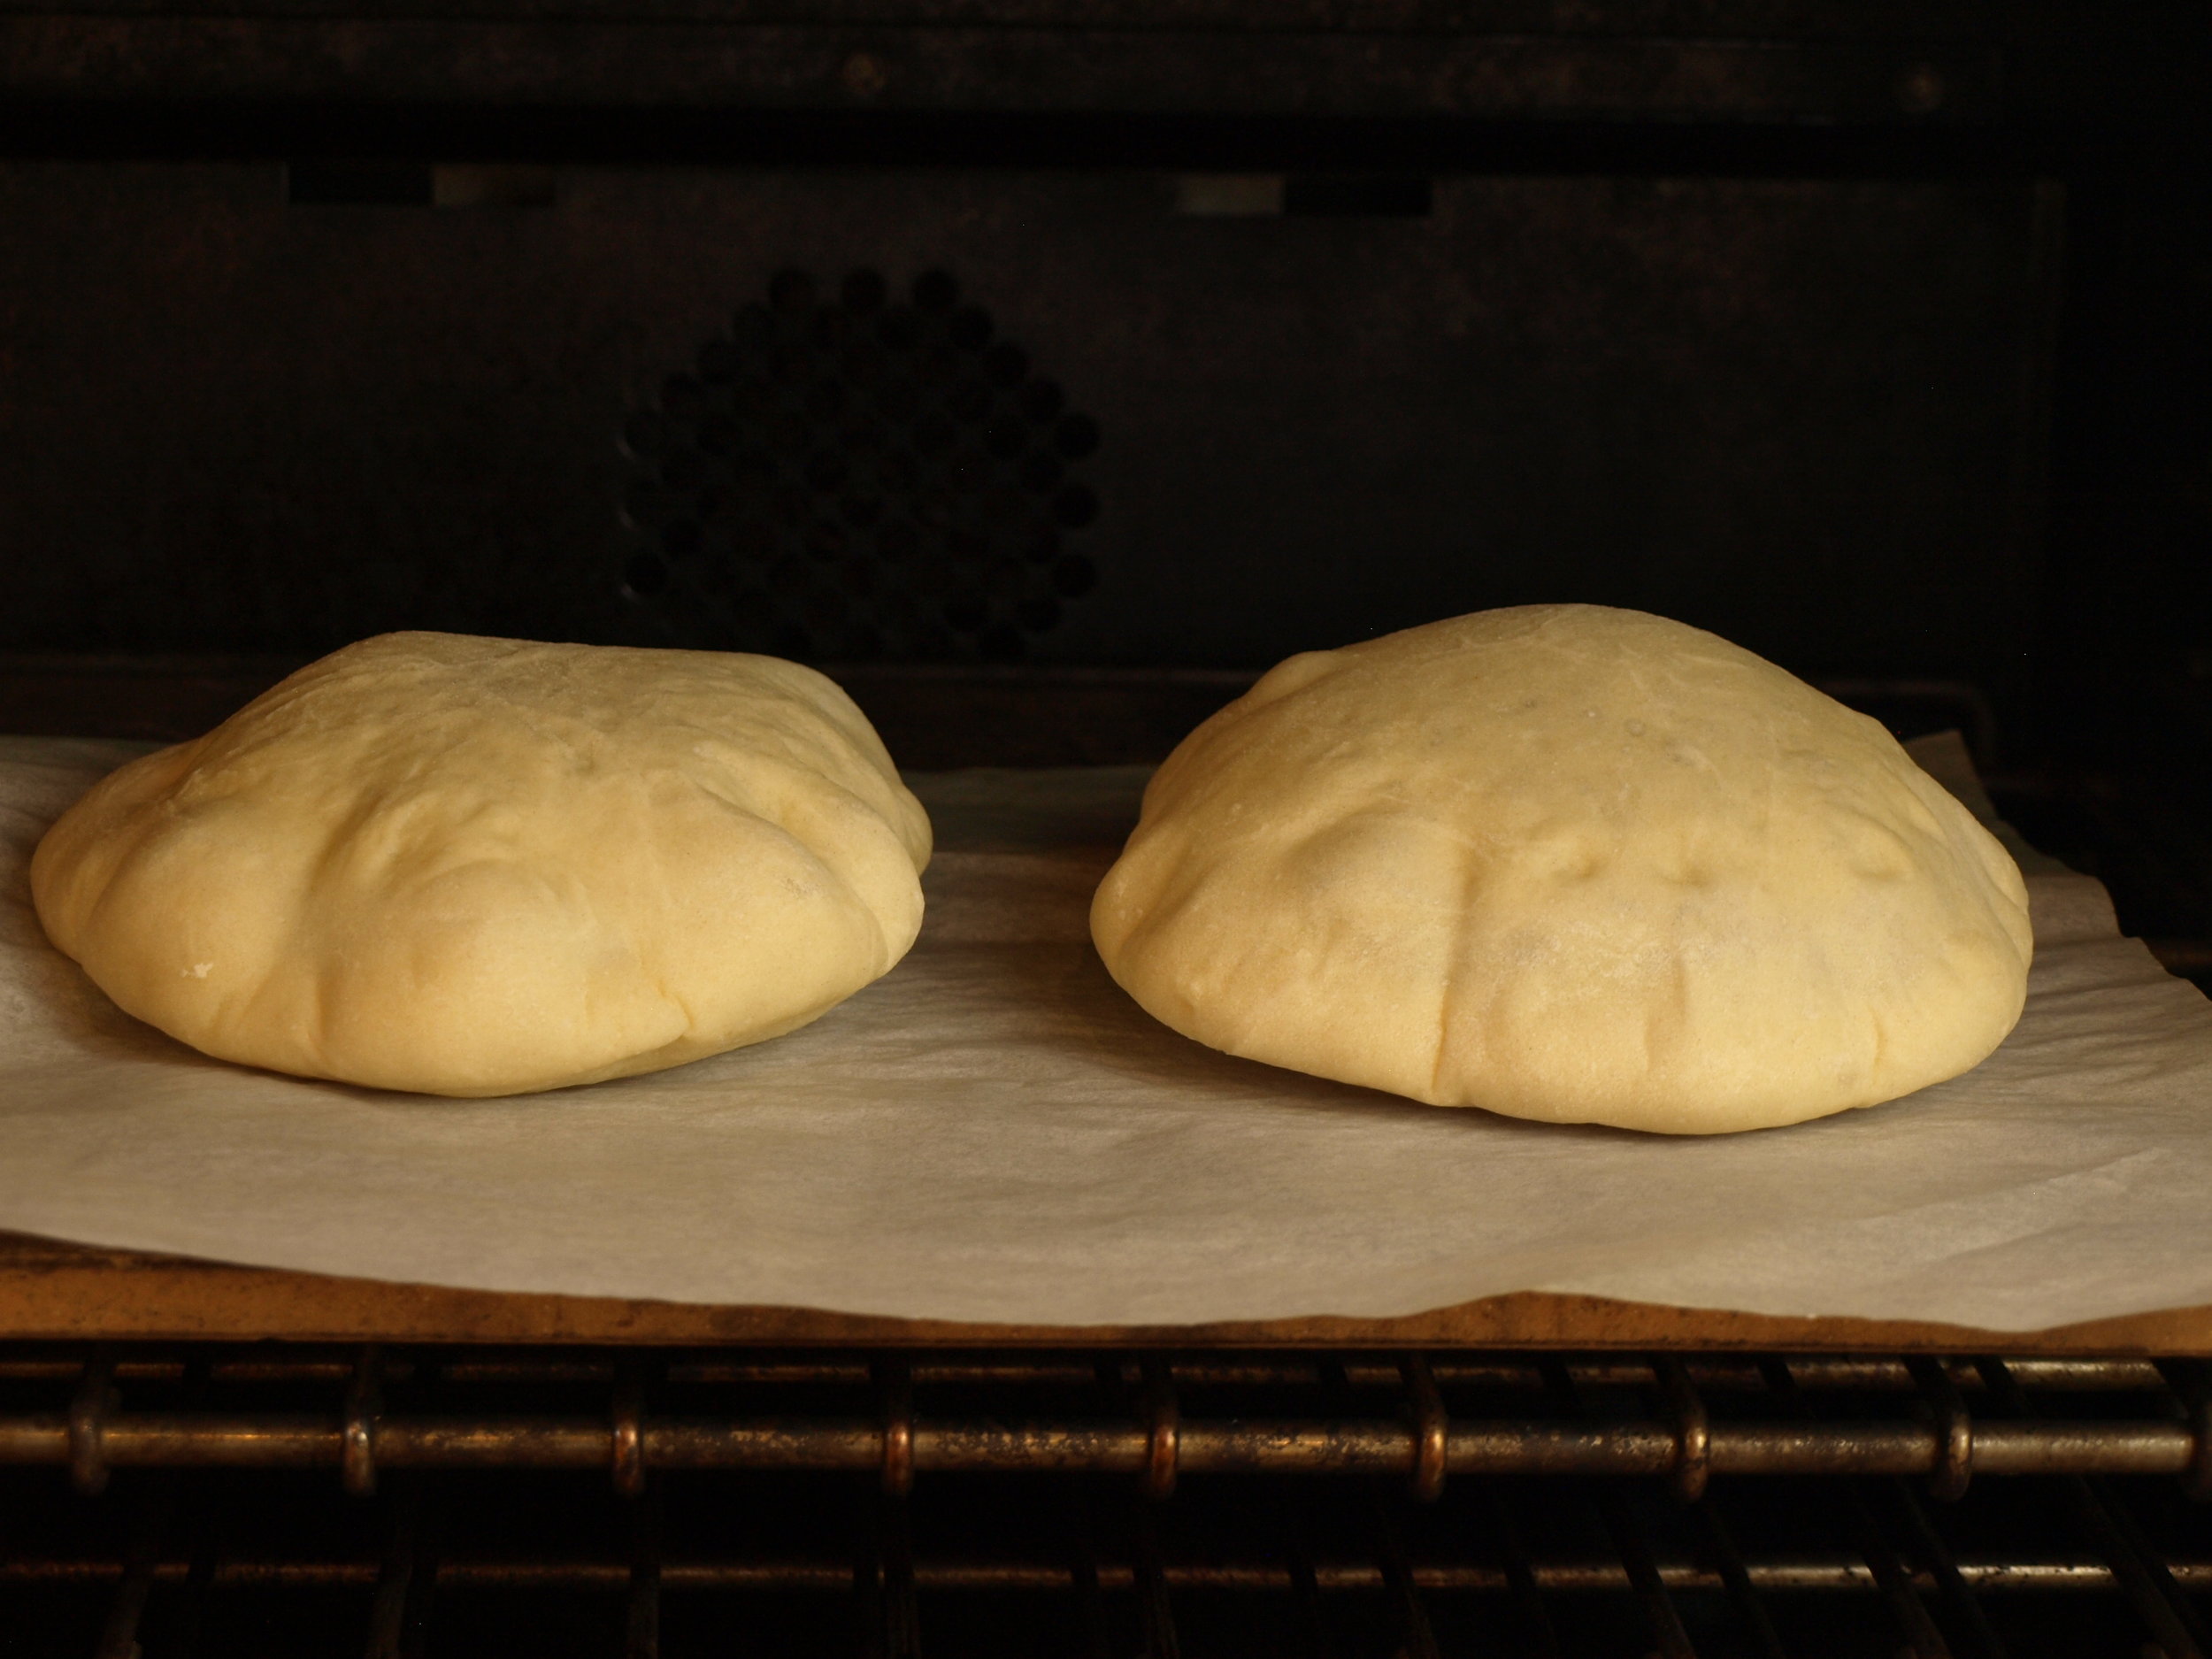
(1152, 1417)
(1927, 1611)
(415, 1502)
(834, 1575)
(1905, 1591)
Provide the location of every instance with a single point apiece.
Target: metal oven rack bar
(1412, 1439)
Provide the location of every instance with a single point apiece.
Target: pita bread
(1571, 863)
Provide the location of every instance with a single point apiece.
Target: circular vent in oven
(852, 475)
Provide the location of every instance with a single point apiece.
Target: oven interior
(1123, 349)
(1046, 369)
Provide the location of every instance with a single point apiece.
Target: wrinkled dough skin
(469, 866)
(1571, 863)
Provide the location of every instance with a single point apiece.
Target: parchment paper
(995, 1133)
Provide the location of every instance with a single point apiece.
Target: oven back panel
(250, 411)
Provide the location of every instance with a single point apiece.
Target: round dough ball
(1572, 863)
(472, 866)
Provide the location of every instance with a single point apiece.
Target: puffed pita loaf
(472, 866)
(1572, 863)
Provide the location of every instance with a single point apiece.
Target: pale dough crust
(1571, 863)
(472, 866)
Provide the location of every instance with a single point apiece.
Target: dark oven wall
(1119, 332)
(1806, 413)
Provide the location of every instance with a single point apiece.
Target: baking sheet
(994, 1132)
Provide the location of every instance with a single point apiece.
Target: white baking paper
(995, 1133)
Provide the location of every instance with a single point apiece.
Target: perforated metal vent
(847, 477)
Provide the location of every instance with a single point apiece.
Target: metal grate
(219, 1501)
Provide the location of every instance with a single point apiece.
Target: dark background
(1874, 336)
